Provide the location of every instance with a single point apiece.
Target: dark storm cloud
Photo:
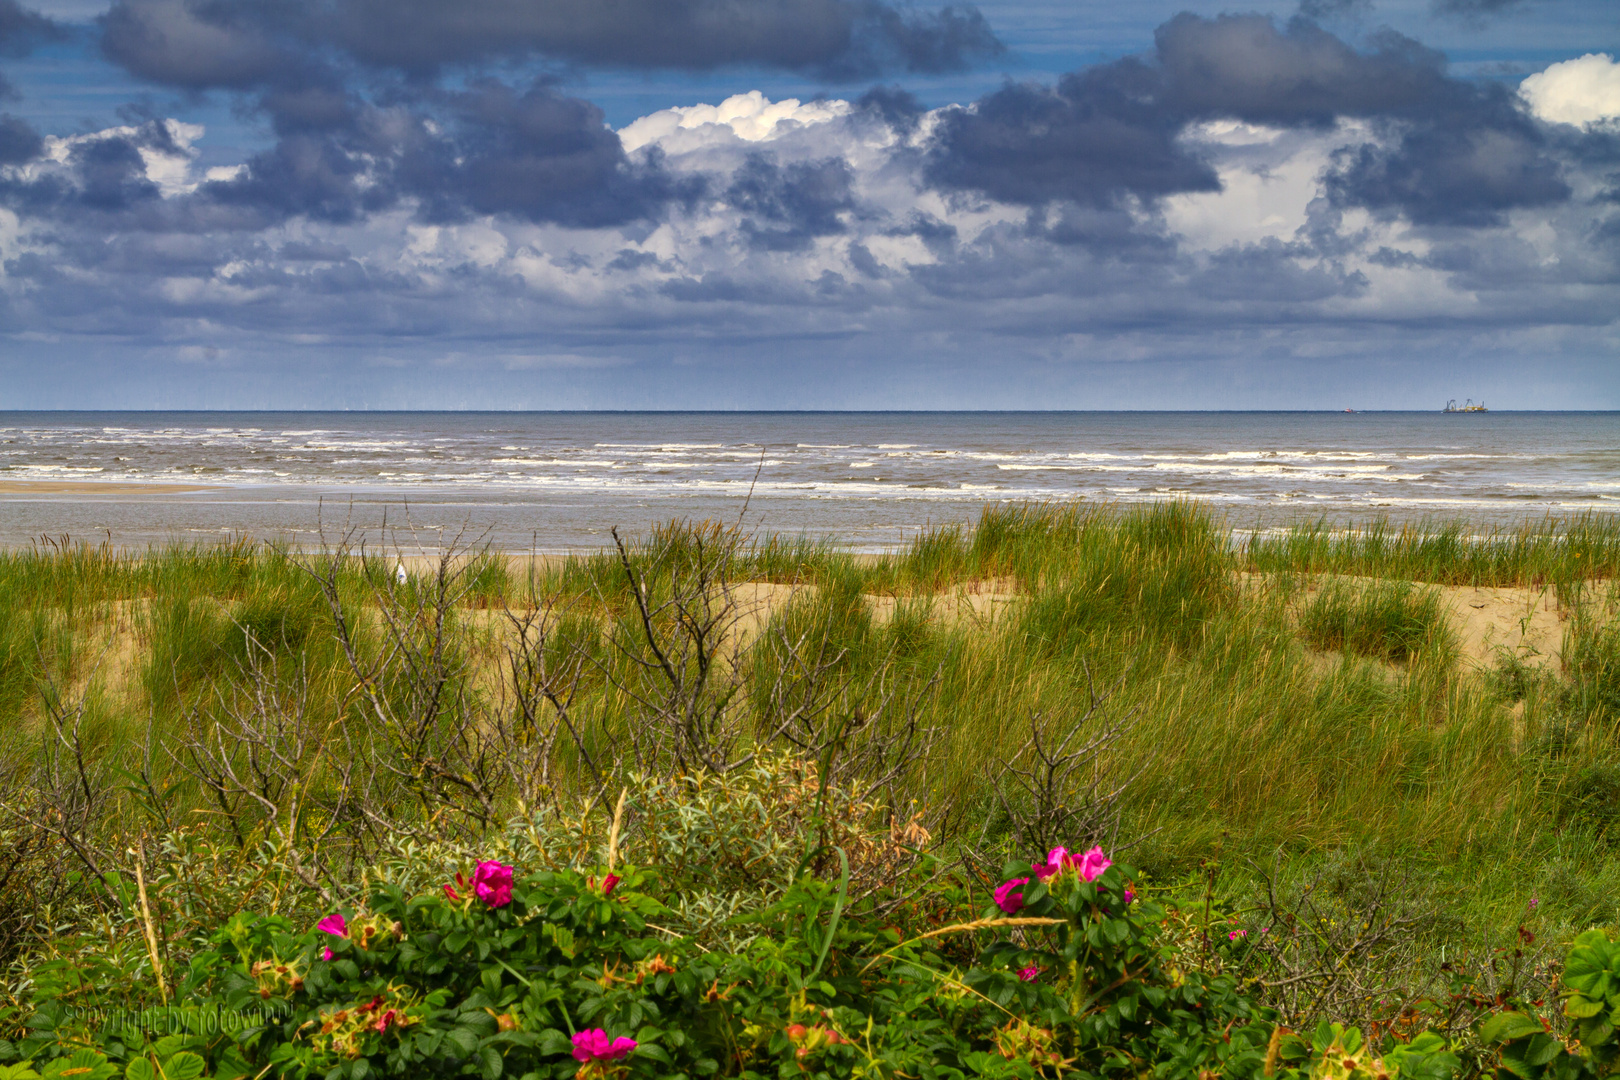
(896, 107)
(199, 45)
(321, 177)
(22, 29)
(1335, 9)
(1474, 10)
(788, 206)
(835, 38)
(536, 155)
(1276, 273)
(1244, 66)
(939, 237)
(241, 43)
(1456, 152)
(1468, 173)
(102, 176)
(112, 174)
(1099, 134)
(19, 142)
(1106, 231)
(313, 251)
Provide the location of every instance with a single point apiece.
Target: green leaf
(1579, 1008)
(490, 1063)
(463, 1039)
(1507, 1026)
(184, 1066)
(1542, 1049)
(1516, 1066)
(83, 1065)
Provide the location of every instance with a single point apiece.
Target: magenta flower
(1129, 896)
(594, 1045)
(1010, 895)
(335, 925)
(1030, 974)
(1234, 935)
(492, 882)
(1056, 860)
(1091, 864)
(608, 884)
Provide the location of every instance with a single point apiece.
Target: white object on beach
(399, 573)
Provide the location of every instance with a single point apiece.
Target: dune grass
(1557, 551)
(1279, 702)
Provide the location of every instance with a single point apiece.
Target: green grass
(1550, 551)
(1389, 621)
(1240, 740)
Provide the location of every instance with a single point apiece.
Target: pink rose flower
(492, 882)
(1010, 895)
(608, 884)
(1129, 896)
(1030, 974)
(385, 1019)
(594, 1045)
(1056, 860)
(1091, 864)
(1234, 935)
(335, 925)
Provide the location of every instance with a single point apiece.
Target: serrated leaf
(1542, 1049)
(1507, 1026)
(463, 1040)
(654, 1052)
(1579, 1008)
(183, 1066)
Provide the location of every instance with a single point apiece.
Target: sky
(791, 204)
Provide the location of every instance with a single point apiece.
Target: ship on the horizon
(1452, 406)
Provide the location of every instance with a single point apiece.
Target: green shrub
(557, 973)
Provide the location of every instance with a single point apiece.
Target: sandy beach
(98, 488)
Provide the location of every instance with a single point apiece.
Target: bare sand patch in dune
(1527, 622)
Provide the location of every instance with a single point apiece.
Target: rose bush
(558, 973)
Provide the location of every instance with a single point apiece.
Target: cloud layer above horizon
(434, 202)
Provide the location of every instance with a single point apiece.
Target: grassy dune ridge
(1294, 706)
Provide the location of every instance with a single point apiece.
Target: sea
(560, 481)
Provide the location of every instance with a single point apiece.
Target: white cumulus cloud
(752, 117)
(1585, 90)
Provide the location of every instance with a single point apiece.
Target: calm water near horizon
(561, 480)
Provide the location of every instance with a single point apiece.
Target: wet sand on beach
(97, 487)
